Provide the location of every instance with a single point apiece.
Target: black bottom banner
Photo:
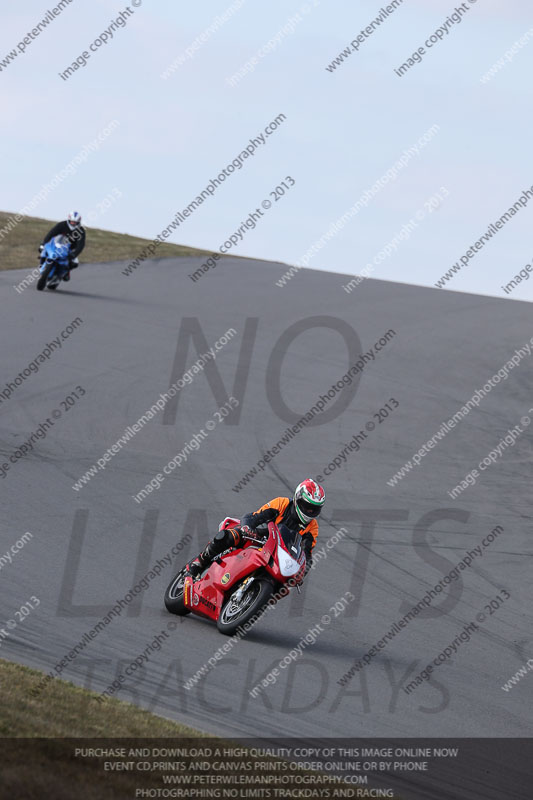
(409, 769)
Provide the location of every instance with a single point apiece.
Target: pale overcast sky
(343, 129)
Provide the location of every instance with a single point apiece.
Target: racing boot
(66, 276)
(202, 561)
(197, 565)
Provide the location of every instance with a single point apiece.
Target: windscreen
(291, 539)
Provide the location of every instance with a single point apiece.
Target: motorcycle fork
(244, 585)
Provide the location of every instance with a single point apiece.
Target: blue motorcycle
(55, 260)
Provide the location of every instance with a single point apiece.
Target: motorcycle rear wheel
(235, 614)
(174, 596)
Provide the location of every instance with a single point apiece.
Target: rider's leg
(73, 264)
(222, 541)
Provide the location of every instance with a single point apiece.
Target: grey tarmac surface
(89, 547)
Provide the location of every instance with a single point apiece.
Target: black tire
(41, 283)
(174, 596)
(253, 600)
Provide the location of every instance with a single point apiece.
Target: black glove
(307, 545)
(246, 531)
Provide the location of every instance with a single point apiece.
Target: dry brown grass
(19, 246)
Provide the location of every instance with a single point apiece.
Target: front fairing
(289, 553)
(52, 252)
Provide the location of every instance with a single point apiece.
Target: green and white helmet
(309, 497)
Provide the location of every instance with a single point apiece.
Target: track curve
(291, 345)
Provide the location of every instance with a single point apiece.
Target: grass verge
(19, 244)
(65, 710)
(39, 761)
(40, 736)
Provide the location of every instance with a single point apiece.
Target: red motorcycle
(238, 583)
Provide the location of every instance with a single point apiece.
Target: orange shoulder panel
(279, 503)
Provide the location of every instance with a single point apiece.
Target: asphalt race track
(89, 547)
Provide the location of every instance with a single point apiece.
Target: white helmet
(74, 220)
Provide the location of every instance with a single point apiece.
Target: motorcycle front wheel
(41, 283)
(241, 606)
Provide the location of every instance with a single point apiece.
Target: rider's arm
(260, 517)
(267, 513)
(311, 533)
(55, 231)
(79, 243)
(307, 547)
